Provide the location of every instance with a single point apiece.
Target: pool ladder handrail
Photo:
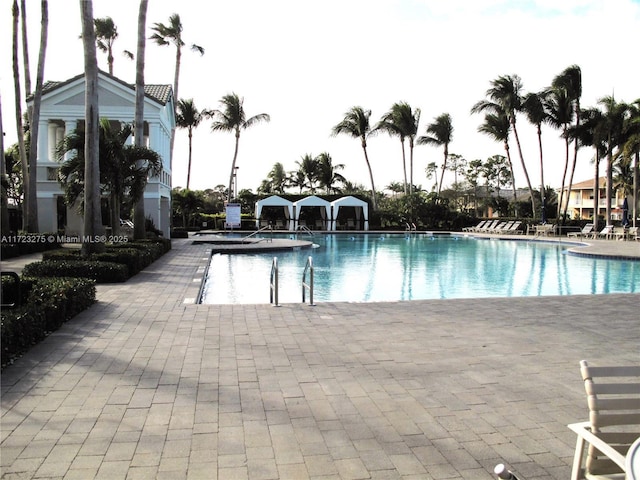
(308, 268)
(305, 229)
(273, 283)
(268, 227)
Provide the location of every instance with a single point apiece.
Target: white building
(62, 111)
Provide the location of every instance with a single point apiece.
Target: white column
(69, 126)
(59, 138)
(50, 138)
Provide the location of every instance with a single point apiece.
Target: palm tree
(232, 118)
(560, 115)
(615, 115)
(106, 34)
(92, 213)
(632, 149)
(570, 80)
(439, 133)
(187, 203)
(497, 126)
(168, 35)
(4, 182)
(328, 174)
(25, 47)
(32, 204)
(120, 171)
(18, 111)
(590, 133)
(276, 180)
(297, 178)
(402, 121)
(431, 171)
(533, 105)
(505, 93)
(356, 124)
(188, 117)
(309, 171)
(139, 219)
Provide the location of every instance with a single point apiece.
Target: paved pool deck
(146, 385)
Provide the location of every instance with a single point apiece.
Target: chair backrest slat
(613, 398)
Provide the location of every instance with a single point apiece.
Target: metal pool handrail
(273, 283)
(308, 267)
(268, 227)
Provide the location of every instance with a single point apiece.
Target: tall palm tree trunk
(576, 146)
(373, 187)
(176, 78)
(564, 173)
(410, 165)
(524, 169)
(190, 130)
(542, 191)
(32, 225)
(92, 211)
(4, 206)
(18, 110)
(25, 48)
(404, 165)
(233, 166)
(609, 190)
(636, 187)
(444, 166)
(596, 189)
(138, 209)
(513, 183)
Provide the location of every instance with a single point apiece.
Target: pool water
(392, 267)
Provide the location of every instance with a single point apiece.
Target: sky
(305, 63)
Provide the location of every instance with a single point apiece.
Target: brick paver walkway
(145, 386)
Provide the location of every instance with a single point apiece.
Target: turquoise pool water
(377, 268)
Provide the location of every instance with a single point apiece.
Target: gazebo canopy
(274, 201)
(360, 207)
(311, 201)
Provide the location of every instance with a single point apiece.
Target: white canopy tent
(311, 201)
(275, 201)
(361, 210)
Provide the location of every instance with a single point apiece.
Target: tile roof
(158, 92)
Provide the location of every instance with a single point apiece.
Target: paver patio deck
(145, 386)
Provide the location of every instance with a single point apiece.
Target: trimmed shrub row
(46, 304)
(103, 272)
(117, 264)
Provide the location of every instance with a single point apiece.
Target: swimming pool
(392, 267)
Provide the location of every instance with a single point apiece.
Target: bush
(131, 257)
(48, 303)
(101, 272)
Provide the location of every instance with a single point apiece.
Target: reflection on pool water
(388, 267)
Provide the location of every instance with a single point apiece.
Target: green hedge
(132, 257)
(119, 262)
(103, 272)
(47, 304)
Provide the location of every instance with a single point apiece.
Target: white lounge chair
(473, 229)
(514, 229)
(606, 232)
(585, 232)
(489, 226)
(613, 398)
